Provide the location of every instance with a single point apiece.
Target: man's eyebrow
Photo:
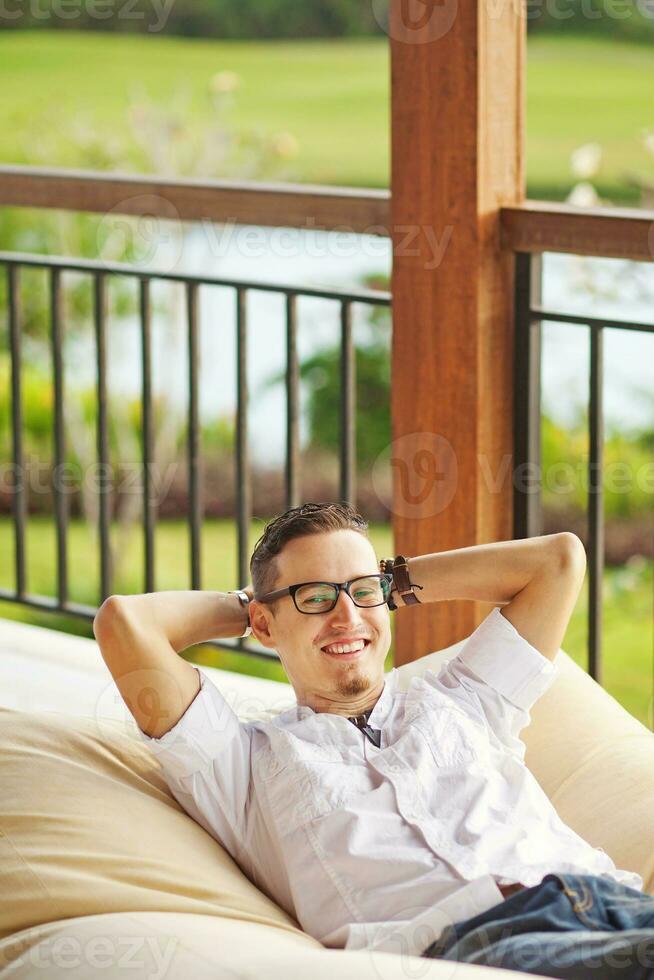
(327, 579)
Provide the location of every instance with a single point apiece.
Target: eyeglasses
(321, 597)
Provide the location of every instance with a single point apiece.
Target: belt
(511, 889)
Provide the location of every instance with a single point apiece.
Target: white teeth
(345, 647)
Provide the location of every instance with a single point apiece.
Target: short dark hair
(308, 518)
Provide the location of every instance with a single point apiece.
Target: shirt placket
(412, 809)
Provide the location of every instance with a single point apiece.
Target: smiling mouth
(348, 655)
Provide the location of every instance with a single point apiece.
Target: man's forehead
(323, 556)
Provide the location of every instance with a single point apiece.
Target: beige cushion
(595, 761)
(101, 871)
(165, 946)
(88, 825)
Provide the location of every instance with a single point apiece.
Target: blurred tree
(321, 374)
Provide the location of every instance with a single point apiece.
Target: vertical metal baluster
(348, 407)
(596, 504)
(195, 507)
(527, 462)
(19, 497)
(243, 481)
(99, 317)
(292, 404)
(60, 502)
(149, 504)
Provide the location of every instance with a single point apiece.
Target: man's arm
(536, 581)
(140, 636)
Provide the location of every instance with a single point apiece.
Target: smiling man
(380, 818)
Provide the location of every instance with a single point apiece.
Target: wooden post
(457, 84)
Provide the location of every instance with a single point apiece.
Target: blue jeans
(574, 926)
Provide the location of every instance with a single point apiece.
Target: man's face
(323, 680)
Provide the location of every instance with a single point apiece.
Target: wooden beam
(541, 226)
(457, 90)
(305, 206)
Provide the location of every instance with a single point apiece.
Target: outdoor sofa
(102, 873)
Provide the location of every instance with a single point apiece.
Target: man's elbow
(571, 553)
(107, 615)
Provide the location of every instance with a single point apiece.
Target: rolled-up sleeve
(503, 674)
(206, 762)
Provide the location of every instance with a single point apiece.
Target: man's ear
(260, 619)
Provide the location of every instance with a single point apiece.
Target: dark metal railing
(100, 273)
(529, 317)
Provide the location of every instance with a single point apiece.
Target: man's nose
(345, 610)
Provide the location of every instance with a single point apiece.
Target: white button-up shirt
(383, 847)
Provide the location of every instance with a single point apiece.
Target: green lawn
(628, 606)
(332, 95)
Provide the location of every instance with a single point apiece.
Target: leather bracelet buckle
(244, 599)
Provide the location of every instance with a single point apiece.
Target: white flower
(224, 82)
(285, 145)
(585, 160)
(583, 195)
(648, 142)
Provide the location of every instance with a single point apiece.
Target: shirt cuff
(498, 654)
(414, 937)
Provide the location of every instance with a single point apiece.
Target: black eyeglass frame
(339, 586)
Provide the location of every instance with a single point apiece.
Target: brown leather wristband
(402, 585)
(403, 582)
